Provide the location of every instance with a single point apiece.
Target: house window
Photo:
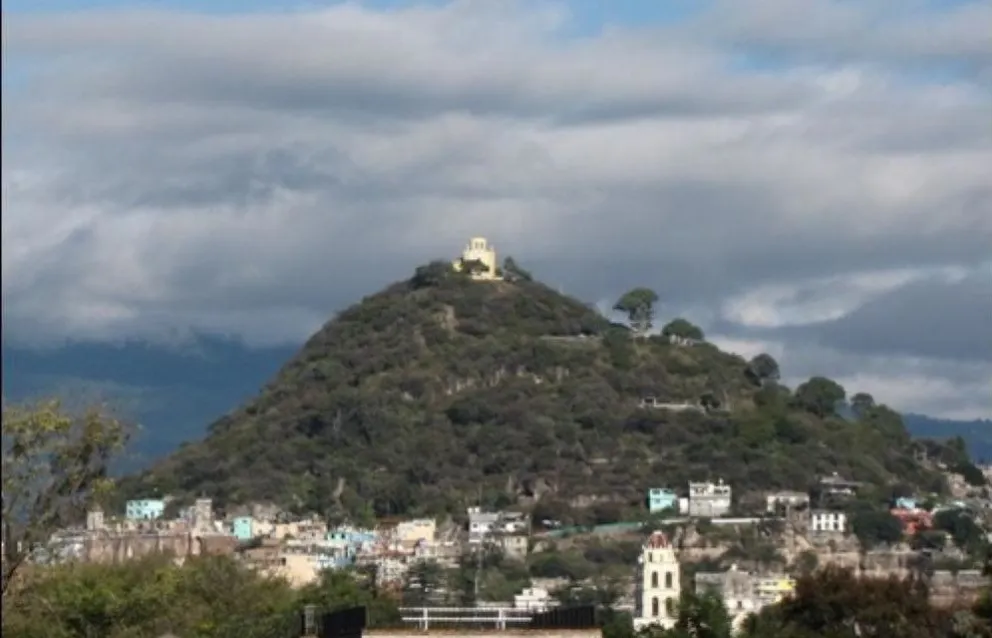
(650, 557)
(670, 607)
(668, 580)
(654, 607)
(654, 580)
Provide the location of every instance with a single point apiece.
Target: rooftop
(657, 540)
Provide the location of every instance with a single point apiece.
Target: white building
(534, 599)
(492, 525)
(203, 514)
(785, 500)
(827, 521)
(94, 520)
(483, 255)
(709, 500)
(659, 584)
(481, 524)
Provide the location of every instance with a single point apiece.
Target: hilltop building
(658, 584)
(482, 256)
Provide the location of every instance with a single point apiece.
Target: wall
(484, 633)
(144, 509)
(118, 548)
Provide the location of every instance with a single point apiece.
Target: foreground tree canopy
(216, 597)
(55, 464)
(208, 597)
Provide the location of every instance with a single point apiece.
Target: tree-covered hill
(440, 392)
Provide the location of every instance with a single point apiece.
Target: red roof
(657, 540)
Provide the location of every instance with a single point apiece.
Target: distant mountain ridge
(977, 434)
(172, 392)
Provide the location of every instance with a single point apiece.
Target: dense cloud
(929, 318)
(248, 175)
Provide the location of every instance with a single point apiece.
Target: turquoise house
(660, 499)
(144, 509)
(906, 503)
(243, 528)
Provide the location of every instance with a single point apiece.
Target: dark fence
(344, 623)
(568, 618)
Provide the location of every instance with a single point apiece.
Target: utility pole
(478, 571)
(478, 554)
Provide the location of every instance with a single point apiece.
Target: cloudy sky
(810, 178)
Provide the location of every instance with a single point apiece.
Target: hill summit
(448, 389)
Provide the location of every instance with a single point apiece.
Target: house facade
(243, 528)
(709, 500)
(661, 499)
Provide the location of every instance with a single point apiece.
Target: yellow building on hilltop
(482, 256)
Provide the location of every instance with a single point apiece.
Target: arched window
(654, 580)
(650, 557)
(670, 607)
(668, 580)
(654, 607)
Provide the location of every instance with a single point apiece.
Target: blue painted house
(243, 528)
(660, 499)
(906, 503)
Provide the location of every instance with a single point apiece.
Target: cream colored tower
(479, 250)
(659, 584)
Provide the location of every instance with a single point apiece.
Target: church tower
(659, 584)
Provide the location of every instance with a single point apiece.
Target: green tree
(861, 403)
(424, 580)
(207, 597)
(970, 473)
(763, 368)
(964, 531)
(835, 603)
(340, 589)
(513, 272)
(874, 527)
(806, 562)
(682, 329)
(55, 465)
(819, 396)
(432, 274)
(473, 266)
(709, 401)
(702, 616)
(882, 418)
(638, 304)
